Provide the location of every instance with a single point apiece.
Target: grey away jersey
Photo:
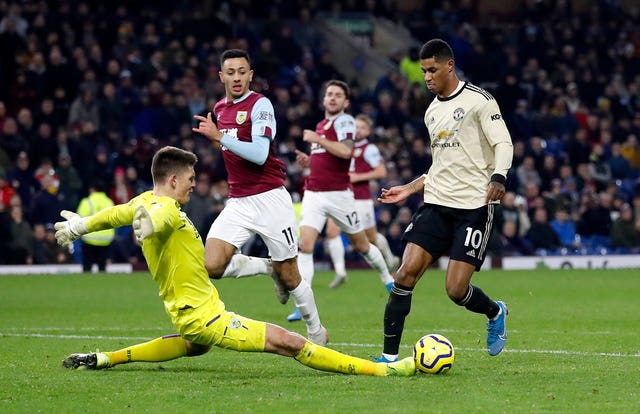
(469, 143)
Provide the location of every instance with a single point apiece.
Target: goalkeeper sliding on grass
(175, 255)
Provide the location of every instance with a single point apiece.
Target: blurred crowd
(88, 91)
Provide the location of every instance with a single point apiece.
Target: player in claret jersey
(328, 191)
(367, 164)
(258, 201)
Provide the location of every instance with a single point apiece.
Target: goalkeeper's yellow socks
(160, 349)
(325, 359)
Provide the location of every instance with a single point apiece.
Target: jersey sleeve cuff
(499, 178)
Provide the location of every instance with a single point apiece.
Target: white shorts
(270, 215)
(339, 205)
(366, 213)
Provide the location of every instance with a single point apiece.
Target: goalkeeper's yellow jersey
(174, 252)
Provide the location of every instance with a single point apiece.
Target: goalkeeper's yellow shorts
(208, 325)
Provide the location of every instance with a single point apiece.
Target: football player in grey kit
(472, 152)
(258, 201)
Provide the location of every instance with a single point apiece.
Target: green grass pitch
(574, 346)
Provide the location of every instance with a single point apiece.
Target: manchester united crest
(458, 114)
(241, 116)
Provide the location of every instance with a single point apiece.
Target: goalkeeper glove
(69, 231)
(142, 224)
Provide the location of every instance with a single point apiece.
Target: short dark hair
(170, 160)
(340, 84)
(234, 53)
(437, 49)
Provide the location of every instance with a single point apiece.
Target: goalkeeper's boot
(93, 360)
(338, 281)
(385, 360)
(319, 338)
(281, 290)
(294, 316)
(497, 331)
(405, 367)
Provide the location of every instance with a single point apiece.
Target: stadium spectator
(120, 192)
(43, 145)
(42, 253)
(6, 190)
(70, 183)
(44, 207)
(619, 165)
(509, 243)
(595, 219)
(22, 178)
(565, 228)
(21, 242)
(96, 245)
(599, 169)
(200, 205)
(11, 141)
(513, 208)
(410, 67)
(137, 185)
(625, 234)
(541, 234)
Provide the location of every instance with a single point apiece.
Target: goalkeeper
(175, 255)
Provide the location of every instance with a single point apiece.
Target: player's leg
(381, 243)
(282, 342)
(312, 220)
(303, 298)
(342, 209)
(227, 234)
(427, 237)
(372, 256)
(468, 249)
(242, 265)
(336, 252)
(308, 237)
(415, 262)
(160, 349)
(88, 257)
(367, 214)
(277, 226)
(102, 256)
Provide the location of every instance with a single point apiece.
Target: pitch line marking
(355, 345)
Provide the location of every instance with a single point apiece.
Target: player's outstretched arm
(75, 226)
(400, 192)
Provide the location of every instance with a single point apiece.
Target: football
(434, 354)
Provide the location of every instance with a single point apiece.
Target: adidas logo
(471, 253)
